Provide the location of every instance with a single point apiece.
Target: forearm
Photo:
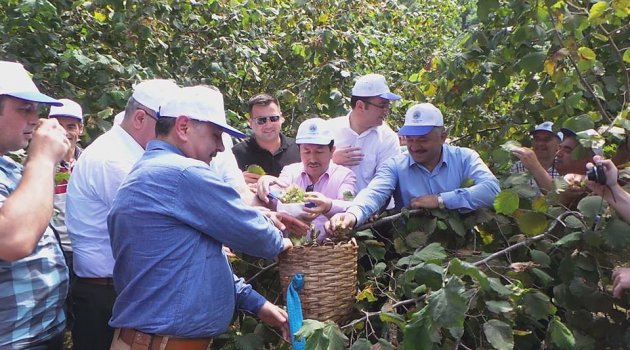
(247, 299)
(542, 178)
(27, 211)
(619, 199)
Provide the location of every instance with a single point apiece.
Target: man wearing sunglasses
(363, 141)
(267, 147)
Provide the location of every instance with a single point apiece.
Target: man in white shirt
(95, 180)
(363, 141)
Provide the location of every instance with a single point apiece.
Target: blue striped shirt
(32, 289)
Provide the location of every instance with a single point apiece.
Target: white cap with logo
(68, 109)
(373, 85)
(420, 119)
(198, 103)
(150, 93)
(17, 82)
(314, 131)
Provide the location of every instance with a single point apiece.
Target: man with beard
(432, 175)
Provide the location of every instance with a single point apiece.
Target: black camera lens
(597, 174)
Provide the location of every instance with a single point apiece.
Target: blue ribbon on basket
(294, 308)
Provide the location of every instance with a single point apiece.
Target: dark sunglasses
(263, 120)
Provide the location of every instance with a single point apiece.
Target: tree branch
(260, 272)
(375, 313)
(624, 70)
(387, 219)
(585, 83)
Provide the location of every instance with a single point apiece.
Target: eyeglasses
(263, 120)
(381, 106)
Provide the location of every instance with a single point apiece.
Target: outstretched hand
(276, 317)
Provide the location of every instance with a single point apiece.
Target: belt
(103, 281)
(143, 341)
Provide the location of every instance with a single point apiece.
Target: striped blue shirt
(32, 289)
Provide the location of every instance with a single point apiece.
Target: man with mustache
(539, 160)
(326, 183)
(432, 175)
(175, 286)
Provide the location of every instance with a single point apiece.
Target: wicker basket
(330, 278)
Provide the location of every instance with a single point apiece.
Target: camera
(597, 174)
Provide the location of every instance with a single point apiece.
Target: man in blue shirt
(167, 225)
(431, 175)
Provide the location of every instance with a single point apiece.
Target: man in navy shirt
(167, 225)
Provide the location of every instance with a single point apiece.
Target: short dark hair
(355, 99)
(261, 100)
(164, 125)
(330, 145)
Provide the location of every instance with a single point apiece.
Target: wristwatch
(440, 201)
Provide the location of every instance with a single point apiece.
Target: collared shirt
(171, 274)
(519, 168)
(32, 289)
(95, 180)
(333, 183)
(378, 144)
(249, 152)
(407, 179)
(58, 220)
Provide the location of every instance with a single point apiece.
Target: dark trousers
(54, 343)
(92, 308)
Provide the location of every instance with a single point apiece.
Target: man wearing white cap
(430, 176)
(362, 138)
(325, 182)
(539, 160)
(95, 180)
(33, 274)
(175, 285)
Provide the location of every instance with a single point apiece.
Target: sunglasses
(380, 106)
(263, 120)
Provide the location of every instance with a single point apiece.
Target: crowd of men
(144, 217)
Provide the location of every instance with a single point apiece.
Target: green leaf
(486, 7)
(540, 257)
(561, 336)
(498, 287)
(392, 318)
(249, 341)
(532, 62)
(361, 344)
(506, 202)
(448, 305)
(570, 238)
(416, 239)
(336, 338)
(532, 223)
(617, 234)
(498, 306)
(590, 206)
(597, 11)
(309, 327)
(537, 305)
(626, 56)
(586, 53)
(543, 277)
(432, 252)
(499, 334)
(457, 225)
(459, 268)
(510, 145)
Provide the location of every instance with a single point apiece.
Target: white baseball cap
(420, 119)
(373, 85)
(17, 82)
(150, 93)
(545, 126)
(314, 131)
(199, 103)
(68, 109)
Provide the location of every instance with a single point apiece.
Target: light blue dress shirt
(167, 225)
(406, 179)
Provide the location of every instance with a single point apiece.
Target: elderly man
(175, 286)
(95, 180)
(539, 160)
(33, 274)
(430, 176)
(363, 141)
(268, 147)
(326, 183)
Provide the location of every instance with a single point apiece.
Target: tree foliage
(529, 274)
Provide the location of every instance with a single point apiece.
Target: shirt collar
(163, 145)
(443, 161)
